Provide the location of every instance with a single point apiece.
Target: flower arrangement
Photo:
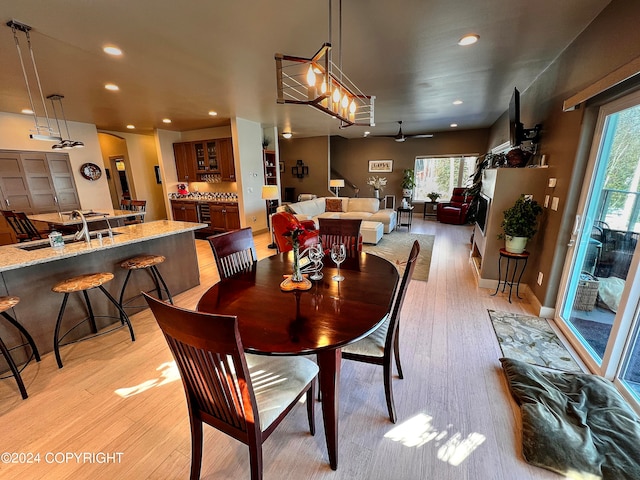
(377, 182)
(294, 235)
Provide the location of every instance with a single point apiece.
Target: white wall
(247, 151)
(14, 135)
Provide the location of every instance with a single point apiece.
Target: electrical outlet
(546, 201)
(540, 277)
(552, 182)
(255, 219)
(554, 203)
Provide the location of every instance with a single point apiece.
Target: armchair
(455, 211)
(283, 222)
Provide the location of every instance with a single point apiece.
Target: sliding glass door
(598, 300)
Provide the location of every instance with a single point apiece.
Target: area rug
(531, 340)
(575, 424)
(395, 247)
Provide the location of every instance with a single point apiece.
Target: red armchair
(283, 222)
(455, 211)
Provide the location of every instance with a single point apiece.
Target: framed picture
(380, 166)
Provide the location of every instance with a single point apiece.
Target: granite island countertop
(15, 256)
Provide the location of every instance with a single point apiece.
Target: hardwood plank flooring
(456, 418)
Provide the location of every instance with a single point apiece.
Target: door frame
(628, 309)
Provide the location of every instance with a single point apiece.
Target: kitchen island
(30, 269)
(96, 220)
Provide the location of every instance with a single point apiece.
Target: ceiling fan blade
(422, 135)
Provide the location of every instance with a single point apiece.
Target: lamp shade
(270, 192)
(337, 182)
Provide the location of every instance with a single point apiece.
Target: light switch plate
(554, 203)
(546, 201)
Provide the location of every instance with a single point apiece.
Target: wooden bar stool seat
(84, 283)
(150, 264)
(7, 303)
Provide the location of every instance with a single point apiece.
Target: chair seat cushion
(277, 381)
(371, 345)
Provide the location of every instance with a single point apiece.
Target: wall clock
(90, 171)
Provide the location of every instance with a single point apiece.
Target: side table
(408, 213)
(430, 210)
(517, 258)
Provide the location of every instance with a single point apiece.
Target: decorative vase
(376, 193)
(296, 276)
(515, 244)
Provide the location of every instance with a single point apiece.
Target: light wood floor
(456, 419)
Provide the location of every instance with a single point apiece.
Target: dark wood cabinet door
(218, 223)
(232, 217)
(184, 211)
(185, 162)
(225, 156)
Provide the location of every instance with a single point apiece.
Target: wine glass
(315, 255)
(338, 255)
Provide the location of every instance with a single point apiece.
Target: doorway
(599, 295)
(119, 185)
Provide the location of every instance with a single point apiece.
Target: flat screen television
(516, 128)
(483, 213)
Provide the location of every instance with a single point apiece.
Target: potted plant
(520, 224)
(433, 196)
(408, 183)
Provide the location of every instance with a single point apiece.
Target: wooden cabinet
(225, 156)
(185, 211)
(37, 182)
(196, 161)
(185, 162)
(220, 217)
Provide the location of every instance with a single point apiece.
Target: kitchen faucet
(85, 228)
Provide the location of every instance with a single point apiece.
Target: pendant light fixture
(321, 84)
(41, 132)
(68, 143)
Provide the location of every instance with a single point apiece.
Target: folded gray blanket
(575, 424)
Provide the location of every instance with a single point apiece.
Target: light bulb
(336, 95)
(311, 76)
(352, 107)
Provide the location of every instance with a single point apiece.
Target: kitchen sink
(39, 245)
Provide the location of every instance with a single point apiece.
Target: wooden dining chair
(125, 204)
(21, 225)
(377, 348)
(339, 230)
(245, 396)
(233, 251)
(136, 206)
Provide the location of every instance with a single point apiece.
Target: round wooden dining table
(318, 321)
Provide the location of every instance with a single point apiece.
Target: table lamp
(336, 183)
(270, 193)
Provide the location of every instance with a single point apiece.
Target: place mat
(531, 340)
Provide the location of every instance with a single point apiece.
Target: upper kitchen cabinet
(63, 182)
(199, 161)
(227, 166)
(185, 162)
(14, 187)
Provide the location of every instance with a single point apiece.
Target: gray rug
(531, 340)
(395, 247)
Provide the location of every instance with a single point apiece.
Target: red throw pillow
(333, 205)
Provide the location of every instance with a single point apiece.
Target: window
(441, 174)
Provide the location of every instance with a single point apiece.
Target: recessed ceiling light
(131, 127)
(468, 39)
(287, 134)
(457, 102)
(453, 125)
(27, 111)
(212, 113)
(112, 87)
(111, 50)
(166, 120)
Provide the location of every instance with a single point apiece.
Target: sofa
(365, 209)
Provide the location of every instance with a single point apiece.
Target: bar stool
(148, 263)
(5, 304)
(82, 283)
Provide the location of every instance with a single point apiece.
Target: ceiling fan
(401, 137)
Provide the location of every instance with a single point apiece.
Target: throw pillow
(333, 205)
(287, 208)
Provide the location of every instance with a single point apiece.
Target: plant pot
(515, 244)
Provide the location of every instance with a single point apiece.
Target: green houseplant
(434, 196)
(520, 223)
(408, 183)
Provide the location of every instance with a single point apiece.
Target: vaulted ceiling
(184, 58)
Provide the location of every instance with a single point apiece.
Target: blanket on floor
(575, 424)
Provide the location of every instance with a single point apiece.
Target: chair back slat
(209, 355)
(233, 251)
(22, 226)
